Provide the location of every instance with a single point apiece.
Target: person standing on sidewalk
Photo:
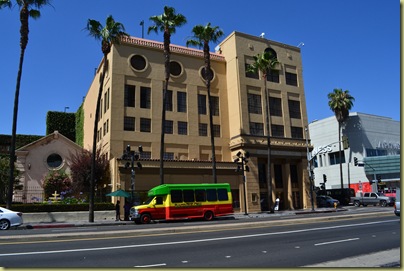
(118, 211)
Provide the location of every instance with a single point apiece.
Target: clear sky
(349, 44)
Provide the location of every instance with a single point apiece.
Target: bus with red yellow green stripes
(184, 201)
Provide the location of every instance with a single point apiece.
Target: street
(294, 243)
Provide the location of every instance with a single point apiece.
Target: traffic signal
(355, 160)
(345, 142)
(324, 178)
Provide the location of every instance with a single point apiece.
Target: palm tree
(109, 34)
(166, 23)
(264, 63)
(340, 102)
(203, 35)
(28, 8)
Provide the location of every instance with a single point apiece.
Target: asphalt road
(292, 243)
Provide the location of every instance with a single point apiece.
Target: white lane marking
(338, 241)
(151, 265)
(192, 241)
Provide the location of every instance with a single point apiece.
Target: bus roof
(164, 189)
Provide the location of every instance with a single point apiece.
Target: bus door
(159, 210)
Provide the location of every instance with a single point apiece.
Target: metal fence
(29, 195)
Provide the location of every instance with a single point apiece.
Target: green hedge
(39, 208)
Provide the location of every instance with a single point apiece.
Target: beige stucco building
(131, 115)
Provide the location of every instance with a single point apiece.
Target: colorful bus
(184, 201)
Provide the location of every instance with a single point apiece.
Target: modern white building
(373, 140)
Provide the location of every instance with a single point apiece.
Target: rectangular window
(254, 103)
(169, 100)
(200, 195)
(203, 129)
(168, 127)
(278, 176)
(145, 125)
(145, 97)
(273, 76)
(294, 177)
(211, 195)
(182, 128)
(168, 156)
(108, 92)
(215, 105)
(277, 130)
(181, 101)
(129, 124)
(334, 158)
(256, 128)
(275, 106)
(145, 155)
(105, 102)
(291, 79)
(297, 132)
(216, 130)
(176, 196)
(222, 194)
(201, 104)
(189, 195)
(129, 96)
(294, 109)
(250, 74)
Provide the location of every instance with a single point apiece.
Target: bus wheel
(145, 219)
(208, 216)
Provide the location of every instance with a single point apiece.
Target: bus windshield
(148, 200)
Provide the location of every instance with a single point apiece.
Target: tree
(28, 8)
(202, 36)
(4, 177)
(340, 102)
(264, 63)
(57, 180)
(109, 34)
(166, 23)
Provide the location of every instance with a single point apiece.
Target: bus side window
(211, 194)
(176, 196)
(159, 200)
(222, 194)
(189, 195)
(200, 195)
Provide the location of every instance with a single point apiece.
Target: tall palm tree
(202, 36)
(166, 23)
(264, 63)
(340, 102)
(28, 8)
(109, 34)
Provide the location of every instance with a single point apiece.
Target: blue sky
(353, 45)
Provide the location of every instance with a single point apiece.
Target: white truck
(372, 198)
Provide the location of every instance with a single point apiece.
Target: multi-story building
(375, 143)
(131, 115)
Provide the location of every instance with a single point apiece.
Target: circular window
(175, 68)
(203, 74)
(138, 62)
(54, 160)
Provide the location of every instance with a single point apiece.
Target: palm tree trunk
(268, 126)
(340, 156)
(94, 151)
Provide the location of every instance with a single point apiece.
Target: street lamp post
(241, 162)
(134, 156)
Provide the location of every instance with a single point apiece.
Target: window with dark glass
(201, 104)
(168, 127)
(145, 125)
(169, 100)
(181, 101)
(182, 128)
(54, 160)
(176, 196)
(203, 129)
(205, 76)
(254, 103)
(211, 194)
(278, 176)
(277, 130)
(222, 194)
(216, 130)
(200, 195)
(275, 106)
(249, 73)
(297, 132)
(189, 195)
(273, 76)
(334, 158)
(294, 177)
(272, 53)
(138, 62)
(129, 96)
(294, 109)
(256, 128)
(129, 124)
(175, 68)
(145, 97)
(168, 156)
(291, 78)
(215, 105)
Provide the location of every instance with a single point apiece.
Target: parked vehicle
(342, 195)
(326, 201)
(9, 219)
(372, 198)
(184, 201)
(397, 203)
